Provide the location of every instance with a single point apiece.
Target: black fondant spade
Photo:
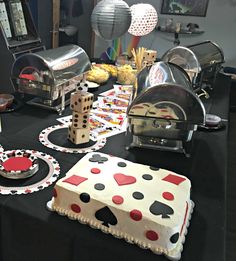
(106, 215)
(157, 208)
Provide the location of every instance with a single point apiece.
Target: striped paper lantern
(111, 19)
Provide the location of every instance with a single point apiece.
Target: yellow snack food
(109, 68)
(97, 75)
(126, 74)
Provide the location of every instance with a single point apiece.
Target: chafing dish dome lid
(196, 57)
(162, 72)
(53, 66)
(169, 101)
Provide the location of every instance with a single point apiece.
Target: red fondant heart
(123, 179)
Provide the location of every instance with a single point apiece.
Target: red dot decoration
(54, 193)
(117, 200)
(95, 171)
(136, 215)
(168, 196)
(152, 235)
(76, 208)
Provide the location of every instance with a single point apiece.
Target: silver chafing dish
(166, 111)
(50, 76)
(202, 62)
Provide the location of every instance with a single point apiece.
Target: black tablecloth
(29, 232)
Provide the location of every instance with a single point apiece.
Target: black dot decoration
(147, 177)
(138, 195)
(154, 168)
(174, 238)
(99, 186)
(121, 164)
(84, 197)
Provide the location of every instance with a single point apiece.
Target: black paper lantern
(111, 19)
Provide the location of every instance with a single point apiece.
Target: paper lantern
(144, 19)
(111, 19)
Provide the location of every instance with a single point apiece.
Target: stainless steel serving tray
(195, 58)
(44, 73)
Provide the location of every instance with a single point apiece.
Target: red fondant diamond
(75, 180)
(174, 179)
(123, 179)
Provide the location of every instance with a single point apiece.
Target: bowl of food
(3, 104)
(8, 97)
(126, 75)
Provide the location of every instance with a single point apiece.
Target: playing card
(100, 129)
(119, 92)
(111, 119)
(112, 102)
(98, 109)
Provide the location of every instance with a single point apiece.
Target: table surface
(30, 232)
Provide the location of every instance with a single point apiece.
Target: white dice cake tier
(147, 206)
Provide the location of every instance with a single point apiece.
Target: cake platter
(18, 164)
(46, 141)
(16, 185)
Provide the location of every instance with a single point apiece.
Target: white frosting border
(174, 254)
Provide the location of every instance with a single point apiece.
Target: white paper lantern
(144, 19)
(111, 19)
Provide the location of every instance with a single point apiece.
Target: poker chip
(44, 139)
(18, 164)
(52, 175)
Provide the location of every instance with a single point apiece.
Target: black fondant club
(158, 208)
(98, 158)
(106, 216)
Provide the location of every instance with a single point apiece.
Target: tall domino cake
(147, 206)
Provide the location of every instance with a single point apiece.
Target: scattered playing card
(111, 119)
(112, 102)
(98, 109)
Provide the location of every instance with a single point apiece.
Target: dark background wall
(79, 12)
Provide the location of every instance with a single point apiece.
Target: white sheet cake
(147, 206)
